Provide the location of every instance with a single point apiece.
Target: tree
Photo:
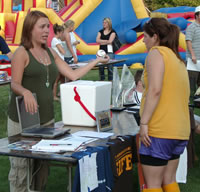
(157, 4)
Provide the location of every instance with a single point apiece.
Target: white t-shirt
(137, 97)
(67, 52)
(55, 41)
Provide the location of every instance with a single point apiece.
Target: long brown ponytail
(168, 33)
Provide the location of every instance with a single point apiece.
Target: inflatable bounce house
(128, 17)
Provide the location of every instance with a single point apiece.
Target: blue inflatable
(181, 9)
(179, 21)
(130, 36)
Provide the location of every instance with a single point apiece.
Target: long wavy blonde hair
(108, 20)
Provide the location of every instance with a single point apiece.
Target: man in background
(193, 50)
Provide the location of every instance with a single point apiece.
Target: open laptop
(30, 124)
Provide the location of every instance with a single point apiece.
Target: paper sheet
(93, 134)
(110, 48)
(84, 140)
(88, 172)
(193, 67)
(181, 173)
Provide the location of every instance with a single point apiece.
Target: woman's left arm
(112, 37)
(155, 72)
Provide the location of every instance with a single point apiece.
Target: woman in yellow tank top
(164, 126)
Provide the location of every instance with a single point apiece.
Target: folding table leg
(69, 167)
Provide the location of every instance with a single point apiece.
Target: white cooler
(95, 96)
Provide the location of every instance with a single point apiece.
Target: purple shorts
(163, 148)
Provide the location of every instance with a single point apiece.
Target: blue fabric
(104, 170)
(3, 46)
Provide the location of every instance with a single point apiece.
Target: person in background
(4, 48)
(137, 94)
(192, 38)
(34, 70)
(53, 4)
(164, 111)
(70, 42)
(105, 37)
(56, 44)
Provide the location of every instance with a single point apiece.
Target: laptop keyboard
(41, 130)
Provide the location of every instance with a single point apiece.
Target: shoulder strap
(50, 54)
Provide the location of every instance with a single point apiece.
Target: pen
(60, 144)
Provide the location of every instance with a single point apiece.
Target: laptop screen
(26, 119)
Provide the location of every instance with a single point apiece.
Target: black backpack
(116, 44)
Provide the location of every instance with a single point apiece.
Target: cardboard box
(81, 99)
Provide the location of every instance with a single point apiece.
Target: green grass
(58, 179)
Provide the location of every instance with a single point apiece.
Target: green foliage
(4, 96)
(157, 4)
(191, 3)
(4, 169)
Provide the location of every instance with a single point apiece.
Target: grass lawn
(57, 180)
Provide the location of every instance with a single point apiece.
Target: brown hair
(138, 76)
(57, 28)
(167, 33)
(29, 23)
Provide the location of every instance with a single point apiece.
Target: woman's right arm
(73, 75)
(19, 62)
(189, 46)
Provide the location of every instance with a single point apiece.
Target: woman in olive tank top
(34, 70)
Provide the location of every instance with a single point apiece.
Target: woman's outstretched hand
(103, 60)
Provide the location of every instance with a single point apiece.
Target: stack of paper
(82, 140)
(56, 145)
(22, 145)
(66, 144)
